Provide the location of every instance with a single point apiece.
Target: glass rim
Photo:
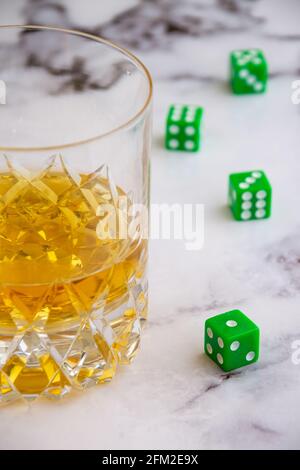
(138, 63)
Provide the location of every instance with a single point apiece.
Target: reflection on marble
(172, 396)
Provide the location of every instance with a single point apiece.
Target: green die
(183, 128)
(231, 340)
(249, 71)
(250, 195)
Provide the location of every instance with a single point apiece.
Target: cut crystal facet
(71, 303)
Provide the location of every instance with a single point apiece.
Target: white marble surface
(172, 396)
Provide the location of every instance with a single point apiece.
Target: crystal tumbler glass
(75, 130)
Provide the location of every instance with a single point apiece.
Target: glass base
(51, 363)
